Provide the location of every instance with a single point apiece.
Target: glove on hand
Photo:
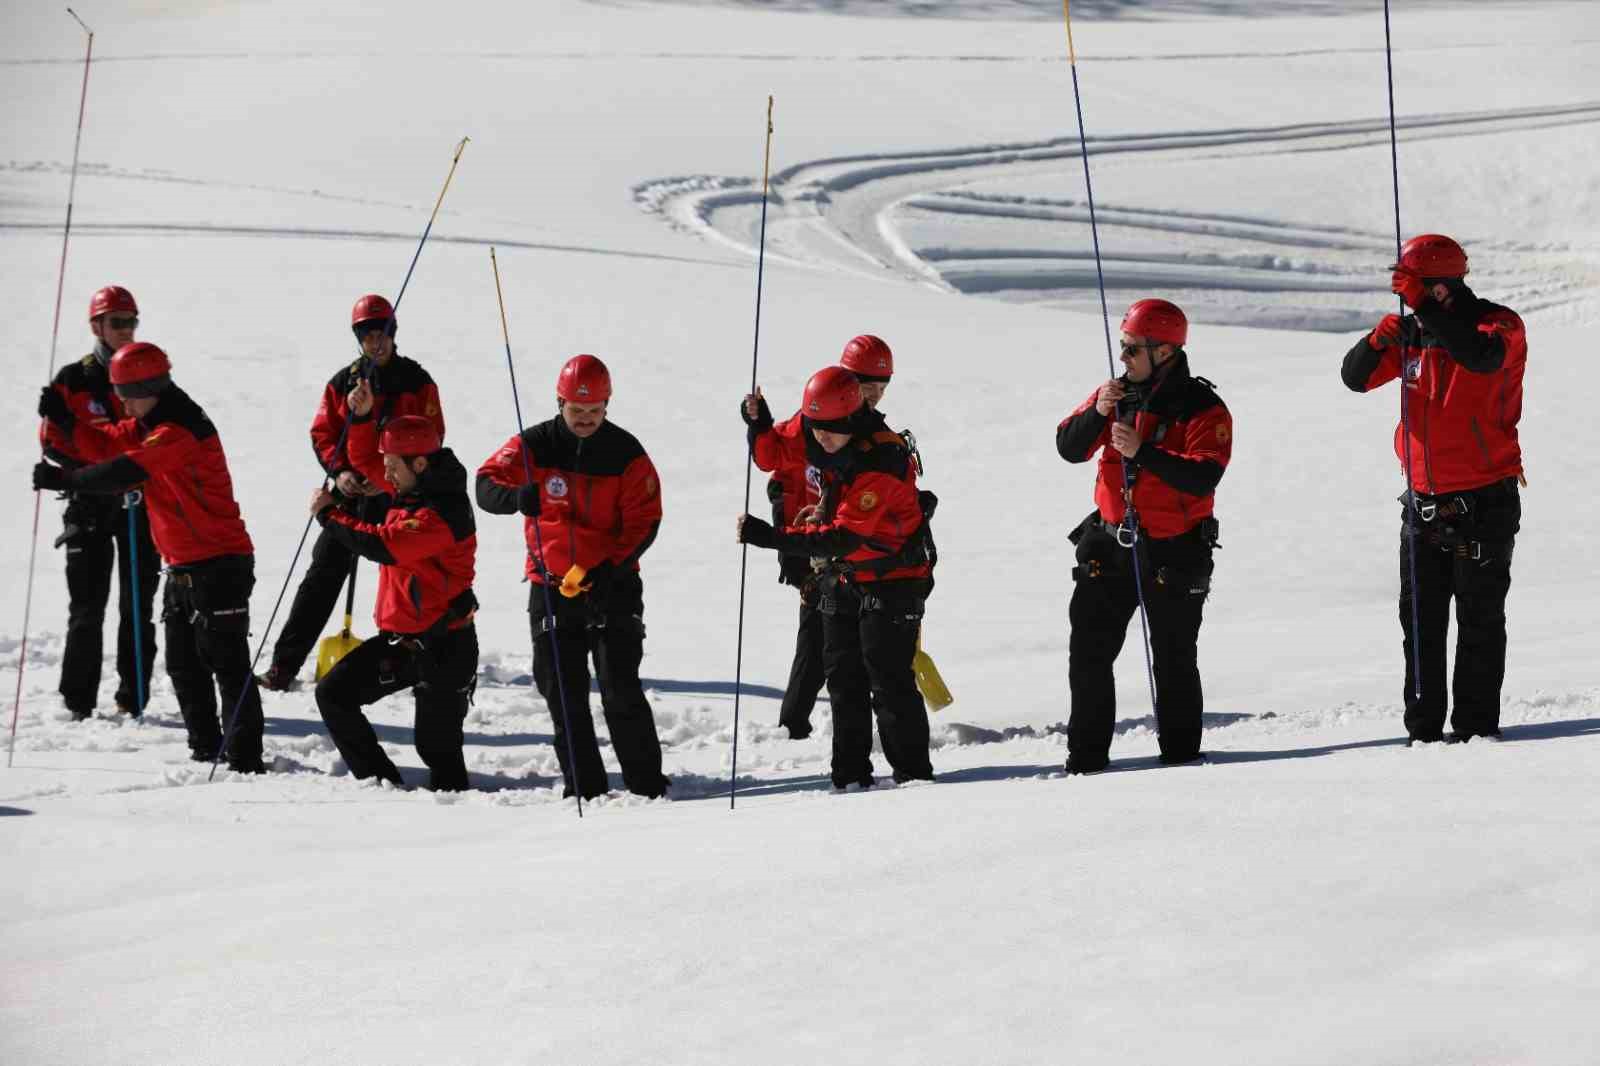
(53, 407)
(528, 500)
(572, 584)
(757, 533)
(48, 477)
(763, 419)
(1387, 334)
(1410, 288)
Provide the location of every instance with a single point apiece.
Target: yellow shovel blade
(331, 649)
(929, 683)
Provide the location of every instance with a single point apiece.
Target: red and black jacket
(1188, 440)
(870, 506)
(1463, 391)
(426, 547)
(401, 387)
(86, 386)
(175, 453)
(599, 497)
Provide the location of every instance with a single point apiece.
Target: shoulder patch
(411, 525)
(1224, 434)
(867, 501)
(650, 486)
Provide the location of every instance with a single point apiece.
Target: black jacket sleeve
(1481, 353)
(494, 497)
(1359, 363)
(1197, 477)
(366, 545)
(113, 476)
(1076, 437)
(828, 544)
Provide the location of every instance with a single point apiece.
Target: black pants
(1177, 576)
(441, 673)
(869, 637)
(607, 623)
(1453, 562)
(95, 535)
(319, 589)
(207, 618)
(807, 673)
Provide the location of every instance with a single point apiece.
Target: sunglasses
(376, 325)
(1129, 349)
(123, 323)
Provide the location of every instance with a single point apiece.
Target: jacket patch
(1223, 433)
(867, 501)
(555, 486)
(650, 485)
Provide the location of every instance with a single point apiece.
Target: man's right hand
(1105, 401)
(1387, 333)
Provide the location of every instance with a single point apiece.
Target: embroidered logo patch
(555, 486)
(1413, 369)
(814, 479)
(410, 525)
(867, 501)
(96, 408)
(1223, 433)
(650, 485)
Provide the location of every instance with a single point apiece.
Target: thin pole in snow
(1405, 408)
(55, 333)
(1132, 516)
(749, 462)
(538, 543)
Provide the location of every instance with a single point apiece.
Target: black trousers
(319, 589)
(807, 673)
(607, 623)
(869, 638)
(441, 672)
(1453, 563)
(1177, 575)
(95, 536)
(206, 612)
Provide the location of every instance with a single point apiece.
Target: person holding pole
(425, 547)
(169, 445)
(1461, 360)
(400, 386)
(99, 529)
(780, 450)
(870, 542)
(1163, 438)
(596, 499)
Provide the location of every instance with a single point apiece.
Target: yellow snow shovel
(331, 649)
(929, 683)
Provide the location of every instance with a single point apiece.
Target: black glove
(528, 500)
(757, 533)
(763, 419)
(47, 477)
(53, 407)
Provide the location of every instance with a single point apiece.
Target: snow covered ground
(1317, 893)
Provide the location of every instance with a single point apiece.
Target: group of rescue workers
(143, 472)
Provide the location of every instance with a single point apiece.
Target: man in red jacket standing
(425, 548)
(876, 572)
(1164, 439)
(780, 449)
(168, 445)
(400, 387)
(1462, 359)
(95, 528)
(593, 503)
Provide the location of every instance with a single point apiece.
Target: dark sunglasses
(123, 323)
(1129, 349)
(375, 325)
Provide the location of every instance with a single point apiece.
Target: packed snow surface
(1315, 893)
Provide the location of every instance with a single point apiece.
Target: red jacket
(86, 387)
(1463, 392)
(600, 497)
(1188, 441)
(426, 546)
(781, 452)
(400, 388)
(870, 506)
(176, 453)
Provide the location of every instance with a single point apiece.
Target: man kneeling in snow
(427, 642)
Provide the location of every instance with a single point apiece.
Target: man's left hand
(1125, 439)
(1409, 287)
(752, 530)
(321, 500)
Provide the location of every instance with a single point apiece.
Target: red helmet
(832, 395)
(1433, 255)
(1159, 320)
(110, 299)
(584, 379)
(372, 308)
(868, 357)
(140, 370)
(410, 435)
